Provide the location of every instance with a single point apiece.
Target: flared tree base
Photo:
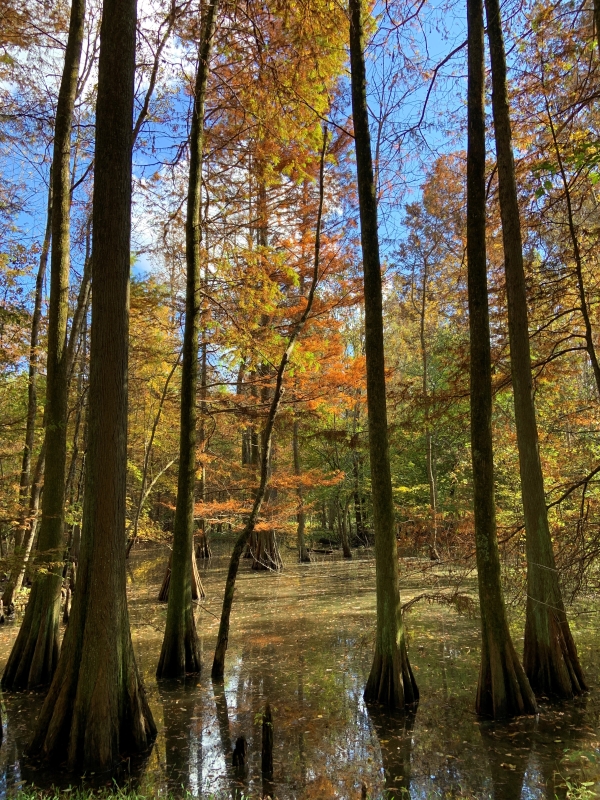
(503, 690)
(203, 549)
(551, 662)
(180, 653)
(267, 555)
(34, 655)
(96, 711)
(391, 682)
(198, 592)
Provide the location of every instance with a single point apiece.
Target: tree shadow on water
(527, 755)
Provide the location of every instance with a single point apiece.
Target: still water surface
(303, 641)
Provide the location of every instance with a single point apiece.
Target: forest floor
(302, 640)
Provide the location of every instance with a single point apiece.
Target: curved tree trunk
(218, 667)
(96, 709)
(391, 681)
(180, 654)
(34, 655)
(503, 689)
(549, 656)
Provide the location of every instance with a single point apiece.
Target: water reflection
(394, 732)
(303, 641)
(182, 739)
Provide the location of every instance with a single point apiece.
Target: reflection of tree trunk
(303, 553)
(507, 781)
(395, 736)
(391, 681)
(179, 707)
(236, 786)
(549, 654)
(503, 689)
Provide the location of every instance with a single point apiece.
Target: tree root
(34, 655)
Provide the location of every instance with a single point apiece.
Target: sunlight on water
(303, 641)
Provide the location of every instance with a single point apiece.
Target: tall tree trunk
(147, 454)
(303, 553)
(428, 434)
(550, 656)
(34, 655)
(37, 483)
(391, 681)
(24, 484)
(503, 689)
(342, 514)
(218, 667)
(96, 709)
(180, 652)
(17, 575)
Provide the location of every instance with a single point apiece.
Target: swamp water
(303, 641)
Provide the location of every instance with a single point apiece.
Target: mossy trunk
(40, 622)
(503, 689)
(180, 653)
(550, 657)
(96, 709)
(391, 681)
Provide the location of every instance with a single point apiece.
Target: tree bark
(24, 485)
(180, 653)
(391, 681)
(96, 709)
(503, 689)
(550, 656)
(303, 553)
(34, 655)
(198, 592)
